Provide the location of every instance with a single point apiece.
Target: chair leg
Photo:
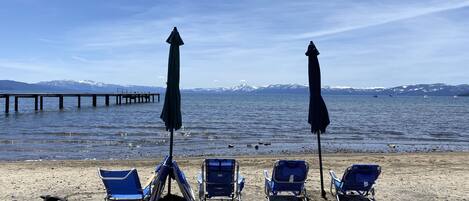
(372, 192)
(305, 195)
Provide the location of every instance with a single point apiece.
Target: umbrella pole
(323, 193)
(170, 160)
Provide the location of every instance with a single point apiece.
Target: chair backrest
(220, 177)
(182, 182)
(289, 175)
(123, 182)
(360, 177)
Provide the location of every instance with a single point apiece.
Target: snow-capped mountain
(92, 86)
(406, 90)
(242, 88)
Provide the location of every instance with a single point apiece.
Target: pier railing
(135, 97)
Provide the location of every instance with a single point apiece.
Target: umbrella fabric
(318, 116)
(171, 114)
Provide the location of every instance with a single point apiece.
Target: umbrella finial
(312, 50)
(175, 38)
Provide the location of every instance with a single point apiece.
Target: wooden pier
(39, 98)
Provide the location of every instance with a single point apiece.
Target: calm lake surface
(213, 121)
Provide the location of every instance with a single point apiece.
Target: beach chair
(182, 182)
(357, 181)
(220, 179)
(123, 185)
(288, 180)
(159, 180)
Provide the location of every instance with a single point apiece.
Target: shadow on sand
(173, 198)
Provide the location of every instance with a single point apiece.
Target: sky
(363, 43)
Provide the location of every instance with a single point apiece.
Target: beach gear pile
(220, 179)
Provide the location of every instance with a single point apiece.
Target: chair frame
(302, 194)
(370, 194)
(235, 195)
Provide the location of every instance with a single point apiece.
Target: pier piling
(61, 102)
(16, 103)
(106, 100)
(7, 104)
(79, 101)
(41, 102)
(94, 100)
(36, 104)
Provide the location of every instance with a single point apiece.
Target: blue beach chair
(288, 179)
(182, 182)
(161, 173)
(123, 185)
(357, 181)
(220, 179)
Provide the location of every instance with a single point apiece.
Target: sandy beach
(410, 176)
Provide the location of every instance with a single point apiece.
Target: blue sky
(362, 43)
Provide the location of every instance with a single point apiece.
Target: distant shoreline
(281, 155)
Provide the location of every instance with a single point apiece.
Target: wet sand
(407, 176)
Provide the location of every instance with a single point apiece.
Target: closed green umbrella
(318, 116)
(171, 114)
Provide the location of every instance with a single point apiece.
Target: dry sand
(415, 176)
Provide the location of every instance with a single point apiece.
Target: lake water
(211, 122)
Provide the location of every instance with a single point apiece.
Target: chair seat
(126, 197)
(295, 188)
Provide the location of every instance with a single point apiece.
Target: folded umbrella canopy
(318, 116)
(171, 114)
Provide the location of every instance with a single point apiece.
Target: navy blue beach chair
(220, 179)
(357, 181)
(123, 185)
(288, 179)
(161, 173)
(182, 182)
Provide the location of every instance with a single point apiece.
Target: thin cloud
(81, 59)
(392, 18)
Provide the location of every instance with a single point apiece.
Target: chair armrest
(333, 176)
(266, 175)
(199, 178)
(241, 179)
(267, 182)
(240, 183)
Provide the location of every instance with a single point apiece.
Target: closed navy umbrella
(318, 116)
(171, 114)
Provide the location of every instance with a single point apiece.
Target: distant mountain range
(65, 86)
(8, 86)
